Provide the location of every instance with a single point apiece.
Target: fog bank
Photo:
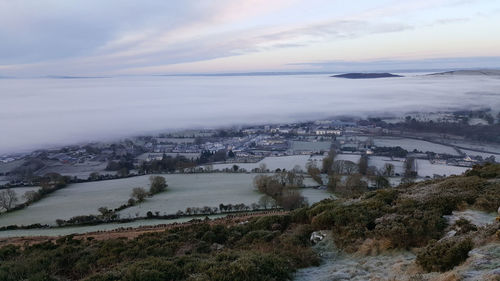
(41, 112)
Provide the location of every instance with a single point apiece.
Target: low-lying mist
(36, 113)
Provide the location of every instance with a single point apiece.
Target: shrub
(444, 255)
(158, 184)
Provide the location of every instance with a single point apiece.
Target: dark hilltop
(365, 75)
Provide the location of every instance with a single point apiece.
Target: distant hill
(484, 72)
(365, 75)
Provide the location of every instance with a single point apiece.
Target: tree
(8, 199)
(262, 167)
(106, 213)
(32, 196)
(236, 168)
(334, 182)
(388, 170)
(314, 172)
(410, 169)
(328, 161)
(266, 201)
(381, 182)
(122, 172)
(291, 199)
(94, 176)
(350, 167)
(354, 186)
(139, 193)
(297, 169)
(363, 164)
(158, 184)
(338, 167)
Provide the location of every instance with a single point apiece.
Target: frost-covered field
(79, 170)
(411, 144)
(314, 146)
(426, 168)
(348, 157)
(276, 162)
(185, 190)
(91, 228)
(74, 200)
(199, 190)
(380, 161)
(489, 148)
(287, 162)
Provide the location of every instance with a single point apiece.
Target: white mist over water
(41, 112)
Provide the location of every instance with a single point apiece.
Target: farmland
(184, 190)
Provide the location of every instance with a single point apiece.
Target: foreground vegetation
(273, 247)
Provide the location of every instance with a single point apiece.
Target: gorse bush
(266, 248)
(444, 255)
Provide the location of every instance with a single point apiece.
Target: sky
(150, 37)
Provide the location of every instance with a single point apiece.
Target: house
(327, 131)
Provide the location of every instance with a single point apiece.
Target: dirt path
(130, 233)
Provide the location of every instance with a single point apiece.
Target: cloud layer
(43, 112)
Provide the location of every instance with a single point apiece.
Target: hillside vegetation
(273, 247)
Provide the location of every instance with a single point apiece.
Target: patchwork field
(185, 190)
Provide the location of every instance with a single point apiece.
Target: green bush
(444, 255)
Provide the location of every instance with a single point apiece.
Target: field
(79, 170)
(380, 161)
(411, 144)
(199, 190)
(92, 228)
(272, 163)
(185, 190)
(487, 148)
(74, 200)
(298, 146)
(427, 169)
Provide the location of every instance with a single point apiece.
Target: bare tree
(350, 167)
(8, 199)
(334, 182)
(262, 167)
(266, 201)
(292, 199)
(338, 167)
(139, 193)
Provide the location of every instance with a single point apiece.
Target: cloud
(44, 37)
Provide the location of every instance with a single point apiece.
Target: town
(388, 140)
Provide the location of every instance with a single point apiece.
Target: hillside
(412, 230)
(365, 75)
(485, 72)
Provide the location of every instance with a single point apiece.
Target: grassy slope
(273, 247)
